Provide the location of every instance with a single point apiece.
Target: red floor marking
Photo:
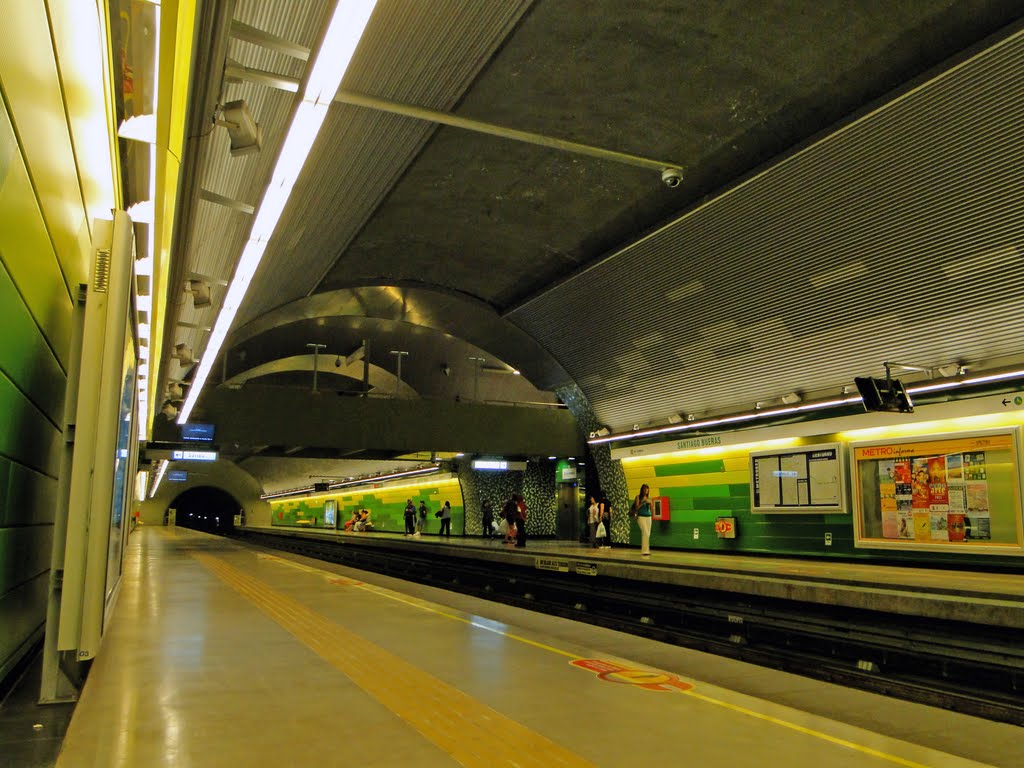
(643, 678)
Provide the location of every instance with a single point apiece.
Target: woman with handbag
(593, 518)
(641, 510)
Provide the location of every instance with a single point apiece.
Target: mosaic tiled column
(609, 471)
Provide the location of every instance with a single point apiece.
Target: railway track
(969, 668)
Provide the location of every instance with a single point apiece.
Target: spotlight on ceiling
(245, 133)
(792, 398)
(674, 418)
(183, 354)
(201, 294)
(603, 431)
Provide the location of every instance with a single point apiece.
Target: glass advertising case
(951, 492)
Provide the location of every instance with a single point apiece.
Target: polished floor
(220, 654)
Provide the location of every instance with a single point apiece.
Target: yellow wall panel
(32, 90)
(26, 250)
(78, 42)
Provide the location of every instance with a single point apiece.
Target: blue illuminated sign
(177, 476)
(197, 433)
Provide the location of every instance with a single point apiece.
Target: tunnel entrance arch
(206, 508)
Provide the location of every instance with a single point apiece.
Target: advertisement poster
(938, 493)
(905, 523)
(978, 513)
(919, 480)
(957, 526)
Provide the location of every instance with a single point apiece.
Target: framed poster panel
(949, 492)
(808, 479)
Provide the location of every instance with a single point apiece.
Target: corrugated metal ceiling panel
(899, 237)
(419, 53)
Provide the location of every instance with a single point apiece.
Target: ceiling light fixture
(768, 413)
(761, 414)
(158, 478)
(336, 51)
(376, 478)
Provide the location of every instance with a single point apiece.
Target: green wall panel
(23, 610)
(26, 497)
(24, 554)
(26, 435)
(690, 468)
(25, 356)
(27, 252)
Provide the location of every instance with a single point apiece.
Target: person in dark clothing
(421, 519)
(488, 518)
(410, 518)
(520, 521)
(446, 520)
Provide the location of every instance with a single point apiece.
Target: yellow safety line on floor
(809, 731)
(471, 732)
(425, 606)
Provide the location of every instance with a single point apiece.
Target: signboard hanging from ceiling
(197, 433)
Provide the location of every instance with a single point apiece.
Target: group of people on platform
(416, 519)
(511, 524)
(360, 521)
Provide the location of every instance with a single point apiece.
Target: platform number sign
(725, 527)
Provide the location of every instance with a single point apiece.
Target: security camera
(672, 177)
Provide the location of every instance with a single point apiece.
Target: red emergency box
(660, 509)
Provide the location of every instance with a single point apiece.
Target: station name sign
(687, 444)
(193, 455)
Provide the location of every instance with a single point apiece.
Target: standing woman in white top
(593, 518)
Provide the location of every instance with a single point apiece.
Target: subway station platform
(222, 653)
(987, 599)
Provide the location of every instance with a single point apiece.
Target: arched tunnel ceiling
(725, 89)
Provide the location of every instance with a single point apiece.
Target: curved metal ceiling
(898, 237)
(896, 228)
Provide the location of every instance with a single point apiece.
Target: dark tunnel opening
(206, 509)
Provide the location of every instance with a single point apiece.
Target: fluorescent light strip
(159, 476)
(339, 44)
(965, 382)
(348, 483)
(727, 420)
(808, 407)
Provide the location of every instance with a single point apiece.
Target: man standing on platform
(410, 518)
(520, 521)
